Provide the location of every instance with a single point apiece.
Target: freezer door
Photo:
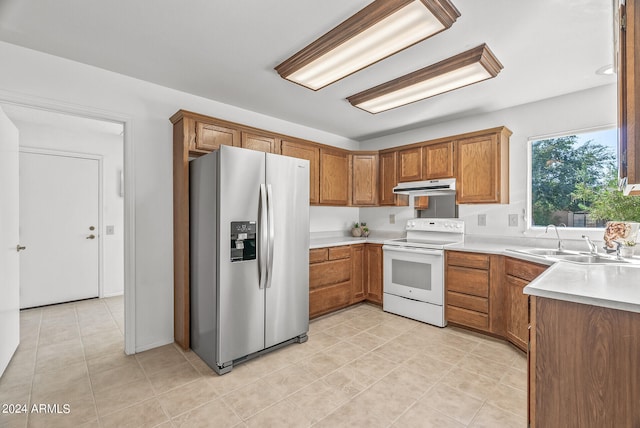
(240, 298)
(287, 296)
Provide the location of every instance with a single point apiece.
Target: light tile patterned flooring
(360, 368)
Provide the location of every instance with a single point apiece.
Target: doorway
(72, 137)
(60, 224)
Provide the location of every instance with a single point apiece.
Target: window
(573, 178)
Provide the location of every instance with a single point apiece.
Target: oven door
(414, 273)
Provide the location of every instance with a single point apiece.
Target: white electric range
(414, 269)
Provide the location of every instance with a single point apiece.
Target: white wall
(109, 146)
(33, 74)
(580, 110)
(332, 219)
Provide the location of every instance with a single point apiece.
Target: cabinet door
(312, 154)
(478, 170)
(261, 143)
(373, 270)
(437, 161)
(410, 164)
(334, 172)
(388, 179)
(517, 312)
(357, 273)
(365, 179)
(210, 137)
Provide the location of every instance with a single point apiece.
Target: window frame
(568, 232)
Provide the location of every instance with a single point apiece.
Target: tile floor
(360, 368)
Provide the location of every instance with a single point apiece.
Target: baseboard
(149, 346)
(117, 293)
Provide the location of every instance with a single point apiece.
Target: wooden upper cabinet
(387, 178)
(210, 137)
(437, 161)
(410, 164)
(364, 179)
(629, 96)
(312, 154)
(261, 143)
(334, 177)
(482, 168)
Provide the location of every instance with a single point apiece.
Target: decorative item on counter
(356, 231)
(619, 231)
(627, 249)
(365, 229)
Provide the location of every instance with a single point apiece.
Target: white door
(9, 262)
(59, 214)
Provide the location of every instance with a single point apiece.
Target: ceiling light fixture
(464, 69)
(379, 30)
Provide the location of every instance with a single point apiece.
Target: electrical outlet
(110, 230)
(482, 219)
(513, 220)
(392, 219)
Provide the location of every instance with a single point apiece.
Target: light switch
(392, 219)
(482, 219)
(110, 230)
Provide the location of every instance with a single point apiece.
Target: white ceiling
(226, 51)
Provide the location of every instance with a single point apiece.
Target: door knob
(92, 236)
(20, 247)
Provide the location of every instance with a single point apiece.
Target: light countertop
(609, 286)
(335, 239)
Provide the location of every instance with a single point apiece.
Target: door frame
(99, 158)
(56, 106)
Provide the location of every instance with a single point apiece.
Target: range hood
(446, 186)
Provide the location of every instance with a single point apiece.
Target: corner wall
(572, 112)
(28, 73)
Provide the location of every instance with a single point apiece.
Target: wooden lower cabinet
(583, 366)
(344, 275)
(329, 279)
(518, 273)
(373, 272)
(358, 273)
(473, 292)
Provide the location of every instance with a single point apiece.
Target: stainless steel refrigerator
(249, 252)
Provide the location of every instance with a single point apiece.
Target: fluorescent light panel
(465, 69)
(389, 26)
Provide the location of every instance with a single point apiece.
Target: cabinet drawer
(330, 298)
(332, 272)
(336, 253)
(318, 255)
(473, 260)
(524, 270)
(468, 318)
(468, 281)
(474, 303)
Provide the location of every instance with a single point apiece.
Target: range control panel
(451, 225)
(243, 241)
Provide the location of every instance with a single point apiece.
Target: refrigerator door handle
(262, 250)
(271, 221)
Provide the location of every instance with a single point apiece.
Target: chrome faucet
(593, 248)
(560, 244)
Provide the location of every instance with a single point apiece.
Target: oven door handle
(413, 250)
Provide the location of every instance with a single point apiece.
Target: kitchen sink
(571, 256)
(546, 252)
(589, 259)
